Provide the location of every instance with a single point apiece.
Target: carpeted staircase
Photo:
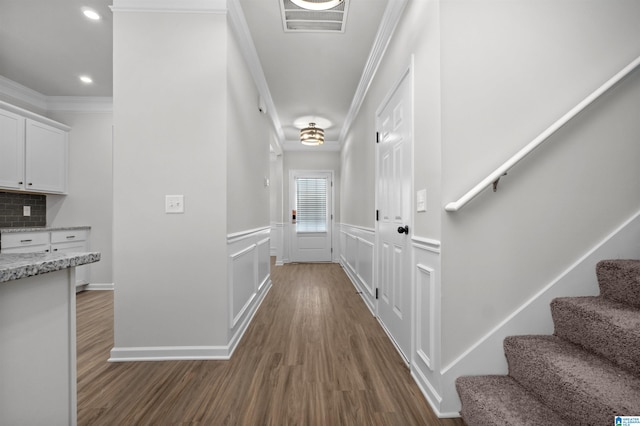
(587, 373)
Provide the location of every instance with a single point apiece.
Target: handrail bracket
(495, 182)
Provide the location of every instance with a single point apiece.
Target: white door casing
(394, 122)
(311, 238)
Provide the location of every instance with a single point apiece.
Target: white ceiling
(46, 44)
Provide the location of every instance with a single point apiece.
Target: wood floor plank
(313, 355)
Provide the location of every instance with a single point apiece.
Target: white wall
(170, 102)
(249, 133)
(90, 197)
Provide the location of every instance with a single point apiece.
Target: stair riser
(559, 393)
(597, 334)
(619, 280)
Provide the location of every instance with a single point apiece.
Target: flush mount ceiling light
(312, 135)
(317, 4)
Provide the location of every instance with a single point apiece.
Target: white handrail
(454, 206)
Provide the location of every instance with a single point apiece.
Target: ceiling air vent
(297, 19)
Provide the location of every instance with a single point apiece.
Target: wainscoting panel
(243, 282)
(357, 259)
(425, 307)
(425, 363)
(249, 278)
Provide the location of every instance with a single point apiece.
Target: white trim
(33, 116)
(238, 236)
(174, 6)
(390, 19)
(242, 252)
(22, 93)
(80, 103)
(426, 244)
(99, 286)
(427, 358)
(361, 228)
(169, 353)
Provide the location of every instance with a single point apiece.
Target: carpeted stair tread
(608, 328)
(580, 386)
(619, 280)
(500, 400)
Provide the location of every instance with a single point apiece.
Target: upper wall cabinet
(33, 153)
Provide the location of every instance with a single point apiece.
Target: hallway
(313, 355)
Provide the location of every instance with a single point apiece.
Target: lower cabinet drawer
(68, 236)
(23, 239)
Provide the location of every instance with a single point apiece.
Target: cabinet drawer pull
(55, 249)
(20, 183)
(26, 241)
(70, 237)
(30, 184)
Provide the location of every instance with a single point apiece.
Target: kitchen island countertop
(22, 265)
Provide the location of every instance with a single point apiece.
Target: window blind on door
(311, 204)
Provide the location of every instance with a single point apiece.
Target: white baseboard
(169, 353)
(99, 286)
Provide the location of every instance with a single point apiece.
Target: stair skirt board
(487, 356)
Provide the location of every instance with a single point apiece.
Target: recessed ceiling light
(86, 79)
(91, 14)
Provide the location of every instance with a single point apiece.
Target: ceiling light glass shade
(91, 14)
(317, 4)
(312, 135)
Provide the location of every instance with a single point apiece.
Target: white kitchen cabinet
(12, 127)
(45, 158)
(33, 152)
(49, 241)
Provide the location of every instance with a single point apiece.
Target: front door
(311, 196)
(393, 187)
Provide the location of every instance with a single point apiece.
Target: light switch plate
(26, 210)
(421, 200)
(174, 204)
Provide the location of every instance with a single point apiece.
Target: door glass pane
(311, 205)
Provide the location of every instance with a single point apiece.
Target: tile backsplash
(11, 210)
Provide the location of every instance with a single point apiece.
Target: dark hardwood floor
(313, 355)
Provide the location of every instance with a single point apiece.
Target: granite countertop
(23, 265)
(42, 228)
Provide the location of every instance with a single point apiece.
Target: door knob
(403, 229)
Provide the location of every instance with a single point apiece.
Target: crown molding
(22, 93)
(243, 34)
(54, 103)
(175, 6)
(390, 19)
(80, 103)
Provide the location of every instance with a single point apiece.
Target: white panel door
(394, 122)
(311, 198)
